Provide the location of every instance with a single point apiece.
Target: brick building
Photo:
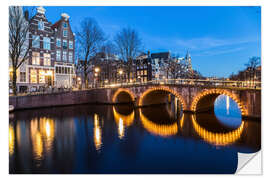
(51, 54)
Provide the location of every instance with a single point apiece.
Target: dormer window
(40, 25)
(65, 25)
(65, 33)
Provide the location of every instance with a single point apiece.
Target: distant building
(143, 68)
(159, 65)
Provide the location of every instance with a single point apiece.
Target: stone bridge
(191, 98)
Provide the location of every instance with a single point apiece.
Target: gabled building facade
(64, 52)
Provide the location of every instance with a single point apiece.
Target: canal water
(120, 139)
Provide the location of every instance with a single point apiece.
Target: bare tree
(89, 38)
(128, 45)
(252, 64)
(18, 40)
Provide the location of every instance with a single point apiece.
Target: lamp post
(97, 70)
(120, 72)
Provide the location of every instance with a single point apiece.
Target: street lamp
(120, 72)
(97, 70)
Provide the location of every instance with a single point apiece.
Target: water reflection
(163, 130)
(11, 139)
(153, 140)
(97, 133)
(219, 139)
(122, 120)
(227, 111)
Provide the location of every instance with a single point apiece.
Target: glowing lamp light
(97, 69)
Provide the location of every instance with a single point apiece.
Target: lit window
(64, 56)
(70, 44)
(35, 42)
(58, 42)
(65, 33)
(58, 55)
(41, 76)
(64, 44)
(22, 77)
(46, 43)
(70, 57)
(40, 25)
(64, 25)
(33, 76)
(35, 58)
(145, 72)
(47, 59)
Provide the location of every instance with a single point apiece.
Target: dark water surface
(120, 139)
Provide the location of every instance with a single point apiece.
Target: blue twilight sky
(219, 39)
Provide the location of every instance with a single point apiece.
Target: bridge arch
(124, 92)
(208, 97)
(162, 88)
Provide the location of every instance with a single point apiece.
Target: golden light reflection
(219, 139)
(182, 121)
(161, 130)
(47, 130)
(97, 133)
(11, 140)
(121, 128)
(122, 121)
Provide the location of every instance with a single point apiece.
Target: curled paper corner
(249, 164)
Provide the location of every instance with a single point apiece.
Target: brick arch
(123, 90)
(218, 92)
(163, 88)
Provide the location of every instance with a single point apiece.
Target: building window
(33, 76)
(58, 42)
(35, 58)
(40, 25)
(64, 25)
(64, 44)
(58, 55)
(65, 33)
(22, 77)
(46, 43)
(35, 41)
(145, 72)
(70, 57)
(70, 44)
(46, 59)
(41, 76)
(64, 56)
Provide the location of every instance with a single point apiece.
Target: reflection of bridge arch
(161, 130)
(212, 94)
(219, 139)
(120, 90)
(127, 119)
(166, 89)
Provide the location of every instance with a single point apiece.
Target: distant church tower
(188, 62)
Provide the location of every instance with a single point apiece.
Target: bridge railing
(194, 82)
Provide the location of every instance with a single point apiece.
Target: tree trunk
(14, 82)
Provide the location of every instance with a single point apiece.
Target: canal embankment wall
(59, 99)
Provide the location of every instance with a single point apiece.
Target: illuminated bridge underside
(190, 98)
